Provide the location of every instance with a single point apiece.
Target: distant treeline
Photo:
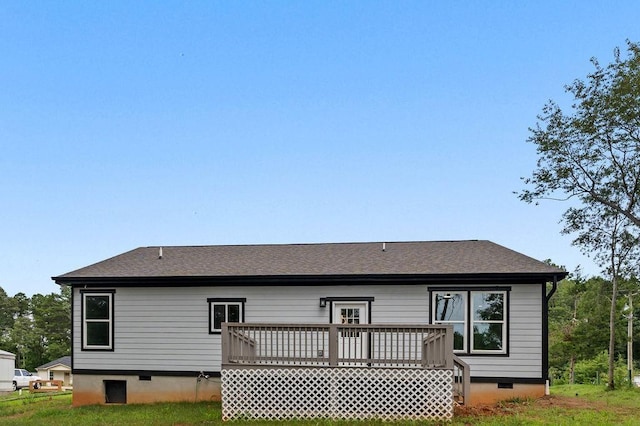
(36, 329)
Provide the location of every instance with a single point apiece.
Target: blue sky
(127, 124)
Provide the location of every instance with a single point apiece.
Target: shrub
(591, 371)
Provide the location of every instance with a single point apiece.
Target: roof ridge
(312, 244)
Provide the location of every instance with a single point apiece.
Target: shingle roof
(337, 259)
(65, 360)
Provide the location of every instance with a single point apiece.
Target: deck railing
(421, 348)
(327, 345)
(461, 381)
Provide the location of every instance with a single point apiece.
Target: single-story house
(151, 324)
(58, 369)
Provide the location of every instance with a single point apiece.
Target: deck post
(225, 344)
(448, 347)
(333, 345)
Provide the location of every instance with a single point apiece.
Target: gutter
(239, 280)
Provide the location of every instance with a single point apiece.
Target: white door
(352, 344)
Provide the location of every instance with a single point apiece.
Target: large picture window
(224, 310)
(478, 317)
(97, 320)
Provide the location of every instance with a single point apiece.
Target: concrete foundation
(93, 389)
(490, 393)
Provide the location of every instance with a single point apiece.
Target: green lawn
(568, 405)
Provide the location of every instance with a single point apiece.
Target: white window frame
(86, 321)
(469, 321)
(226, 302)
(503, 321)
(465, 296)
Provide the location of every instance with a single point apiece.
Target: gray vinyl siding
(167, 328)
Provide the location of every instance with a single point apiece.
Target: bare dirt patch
(506, 408)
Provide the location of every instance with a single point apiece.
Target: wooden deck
(405, 355)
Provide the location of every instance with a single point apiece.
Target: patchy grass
(56, 409)
(14, 407)
(567, 405)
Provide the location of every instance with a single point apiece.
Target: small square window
(224, 310)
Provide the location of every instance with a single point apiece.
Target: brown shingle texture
(423, 258)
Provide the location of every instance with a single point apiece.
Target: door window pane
(350, 316)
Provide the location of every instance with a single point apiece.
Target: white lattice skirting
(337, 393)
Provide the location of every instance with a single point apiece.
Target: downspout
(554, 287)
(545, 333)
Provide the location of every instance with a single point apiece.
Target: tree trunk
(572, 371)
(612, 331)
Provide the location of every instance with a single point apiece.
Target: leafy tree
(579, 315)
(36, 329)
(563, 322)
(593, 154)
(52, 319)
(21, 305)
(26, 343)
(6, 316)
(609, 237)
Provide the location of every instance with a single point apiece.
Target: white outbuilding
(7, 365)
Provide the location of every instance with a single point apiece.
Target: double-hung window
(451, 308)
(478, 316)
(224, 310)
(488, 321)
(97, 320)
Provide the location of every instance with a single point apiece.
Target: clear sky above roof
(126, 124)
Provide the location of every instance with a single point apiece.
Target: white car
(22, 378)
